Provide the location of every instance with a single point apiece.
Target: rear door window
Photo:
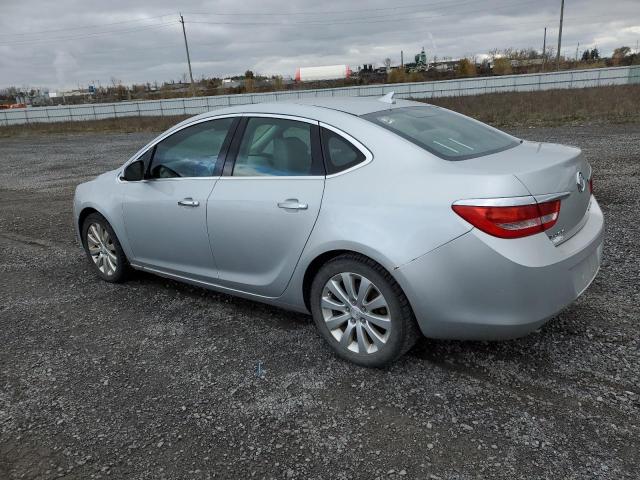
(277, 147)
(448, 135)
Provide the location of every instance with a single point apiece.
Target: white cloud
(83, 41)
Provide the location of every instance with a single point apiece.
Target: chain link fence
(596, 77)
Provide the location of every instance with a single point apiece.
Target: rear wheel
(362, 312)
(103, 249)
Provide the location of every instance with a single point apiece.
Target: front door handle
(188, 202)
(292, 204)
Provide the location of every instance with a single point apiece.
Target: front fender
(103, 195)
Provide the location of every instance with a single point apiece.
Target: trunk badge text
(557, 237)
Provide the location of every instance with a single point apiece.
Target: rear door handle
(292, 204)
(188, 202)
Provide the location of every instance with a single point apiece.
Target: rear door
(263, 209)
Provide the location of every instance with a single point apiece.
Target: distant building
(231, 83)
(444, 66)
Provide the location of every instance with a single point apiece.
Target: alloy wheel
(356, 313)
(102, 249)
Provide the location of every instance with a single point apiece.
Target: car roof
(355, 105)
(337, 111)
(316, 108)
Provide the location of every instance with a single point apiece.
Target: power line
(323, 12)
(157, 47)
(87, 26)
(88, 35)
(292, 24)
(279, 14)
(361, 20)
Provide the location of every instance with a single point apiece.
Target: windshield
(446, 134)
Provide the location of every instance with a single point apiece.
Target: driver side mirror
(134, 172)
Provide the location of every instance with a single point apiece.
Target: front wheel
(103, 249)
(362, 312)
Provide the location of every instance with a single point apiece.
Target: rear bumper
(479, 287)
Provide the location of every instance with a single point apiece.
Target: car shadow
(531, 349)
(563, 335)
(274, 316)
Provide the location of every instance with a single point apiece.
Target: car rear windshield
(446, 134)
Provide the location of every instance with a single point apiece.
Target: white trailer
(329, 72)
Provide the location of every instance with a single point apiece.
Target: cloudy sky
(66, 43)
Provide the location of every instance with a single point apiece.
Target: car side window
(275, 147)
(190, 152)
(339, 153)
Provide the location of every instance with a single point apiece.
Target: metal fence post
(95, 115)
(115, 113)
(70, 113)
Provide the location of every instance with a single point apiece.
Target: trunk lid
(547, 169)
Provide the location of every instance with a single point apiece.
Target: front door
(165, 214)
(262, 211)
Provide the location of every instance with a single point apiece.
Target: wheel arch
(314, 266)
(84, 213)
(88, 210)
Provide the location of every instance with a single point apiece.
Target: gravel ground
(154, 379)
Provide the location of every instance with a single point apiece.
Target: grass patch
(109, 125)
(616, 104)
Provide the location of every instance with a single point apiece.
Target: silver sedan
(384, 219)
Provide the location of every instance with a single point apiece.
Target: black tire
(122, 264)
(404, 331)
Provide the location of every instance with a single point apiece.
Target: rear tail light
(511, 221)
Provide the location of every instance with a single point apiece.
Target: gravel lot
(154, 379)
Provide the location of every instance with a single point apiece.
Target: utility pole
(402, 59)
(544, 48)
(577, 48)
(560, 36)
(186, 46)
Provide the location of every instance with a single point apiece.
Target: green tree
(249, 74)
(595, 54)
